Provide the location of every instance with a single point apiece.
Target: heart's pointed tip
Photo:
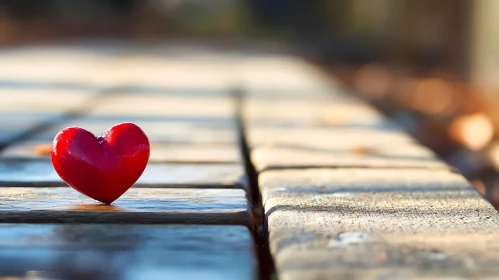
(106, 202)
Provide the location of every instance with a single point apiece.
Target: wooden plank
(53, 65)
(166, 132)
(159, 152)
(126, 252)
(137, 205)
(15, 126)
(36, 173)
(165, 105)
(333, 139)
(178, 67)
(221, 122)
(43, 100)
(289, 75)
(195, 153)
(378, 223)
(290, 112)
(284, 93)
(406, 155)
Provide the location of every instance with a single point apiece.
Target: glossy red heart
(103, 167)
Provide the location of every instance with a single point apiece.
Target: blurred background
(430, 65)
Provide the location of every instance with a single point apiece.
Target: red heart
(103, 167)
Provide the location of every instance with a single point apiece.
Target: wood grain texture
(41, 173)
(126, 252)
(195, 153)
(323, 138)
(378, 223)
(137, 206)
(403, 155)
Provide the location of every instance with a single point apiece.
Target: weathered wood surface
(377, 223)
(159, 152)
(296, 112)
(195, 153)
(33, 173)
(392, 155)
(125, 252)
(324, 138)
(402, 215)
(349, 195)
(137, 205)
(195, 176)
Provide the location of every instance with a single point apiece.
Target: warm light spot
(335, 117)
(363, 150)
(433, 95)
(43, 149)
(373, 81)
(474, 131)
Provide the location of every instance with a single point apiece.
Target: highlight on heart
(101, 167)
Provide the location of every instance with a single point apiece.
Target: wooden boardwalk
(345, 194)
(187, 217)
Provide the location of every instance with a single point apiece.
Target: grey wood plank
(195, 153)
(378, 223)
(165, 132)
(323, 138)
(14, 125)
(87, 251)
(13, 128)
(137, 205)
(24, 108)
(33, 173)
(159, 152)
(404, 155)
